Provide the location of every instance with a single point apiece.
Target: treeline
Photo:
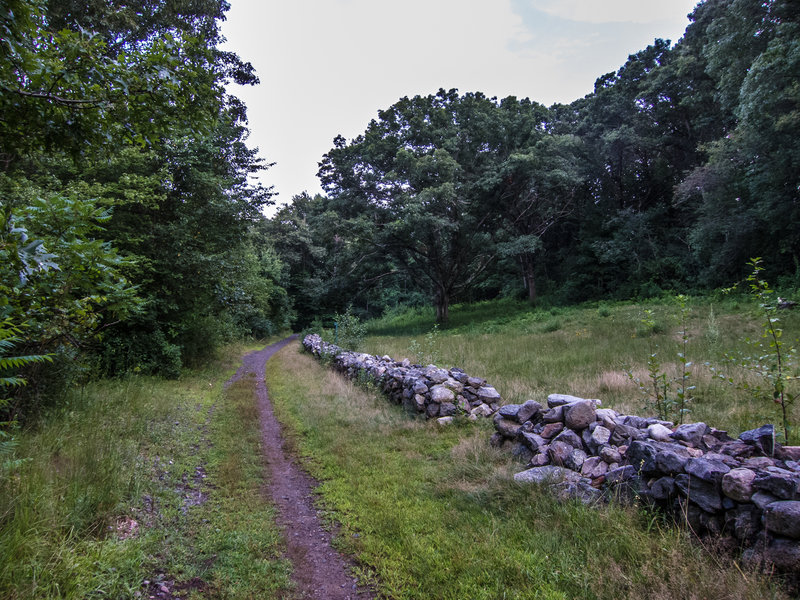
(128, 229)
(676, 170)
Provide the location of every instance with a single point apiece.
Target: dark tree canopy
(128, 219)
(674, 171)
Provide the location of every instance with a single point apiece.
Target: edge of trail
(319, 571)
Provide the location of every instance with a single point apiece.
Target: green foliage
(712, 327)
(9, 336)
(427, 352)
(127, 215)
(9, 379)
(772, 361)
(349, 330)
(78, 88)
(141, 349)
(649, 324)
(683, 393)
(668, 395)
(65, 285)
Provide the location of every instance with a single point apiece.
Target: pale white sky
(327, 66)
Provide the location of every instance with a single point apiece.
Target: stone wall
(434, 392)
(745, 490)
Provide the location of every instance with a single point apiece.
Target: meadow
(140, 486)
(143, 487)
(593, 350)
(433, 512)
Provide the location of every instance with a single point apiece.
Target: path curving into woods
(319, 571)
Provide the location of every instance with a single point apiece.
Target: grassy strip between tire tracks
(433, 513)
(144, 488)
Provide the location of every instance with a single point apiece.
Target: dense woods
(127, 235)
(669, 176)
(133, 239)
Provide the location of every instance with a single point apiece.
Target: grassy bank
(433, 513)
(141, 487)
(588, 350)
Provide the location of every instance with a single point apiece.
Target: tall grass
(84, 465)
(140, 483)
(433, 512)
(530, 353)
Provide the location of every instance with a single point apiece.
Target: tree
(415, 169)
(747, 190)
(118, 110)
(537, 188)
(71, 88)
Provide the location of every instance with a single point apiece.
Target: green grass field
(139, 483)
(433, 512)
(142, 485)
(588, 350)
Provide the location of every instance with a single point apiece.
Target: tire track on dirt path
(320, 572)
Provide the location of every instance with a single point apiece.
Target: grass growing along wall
(434, 513)
(143, 480)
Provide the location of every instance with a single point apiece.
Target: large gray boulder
(702, 493)
(762, 438)
(529, 410)
(546, 475)
(579, 415)
(783, 518)
(707, 470)
(782, 485)
(506, 427)
(738, 484)
(488, 394)
(691, 433)
(440, 393)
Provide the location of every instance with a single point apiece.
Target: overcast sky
(327, 66)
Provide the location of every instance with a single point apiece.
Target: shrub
(773, 362)
(141, 351)
(350, 330)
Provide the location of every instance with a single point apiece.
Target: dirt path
(320, 572)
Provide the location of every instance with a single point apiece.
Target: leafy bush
(427, 351)
(140, 351)
(649, 324)
(10, 379)
(350, 330)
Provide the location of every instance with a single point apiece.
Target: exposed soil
(320, 572)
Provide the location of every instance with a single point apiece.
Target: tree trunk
(530, 278)
(442, 301)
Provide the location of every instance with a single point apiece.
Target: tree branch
(56, 99)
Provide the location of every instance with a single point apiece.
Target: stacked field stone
(747, 489)
(434, 392)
